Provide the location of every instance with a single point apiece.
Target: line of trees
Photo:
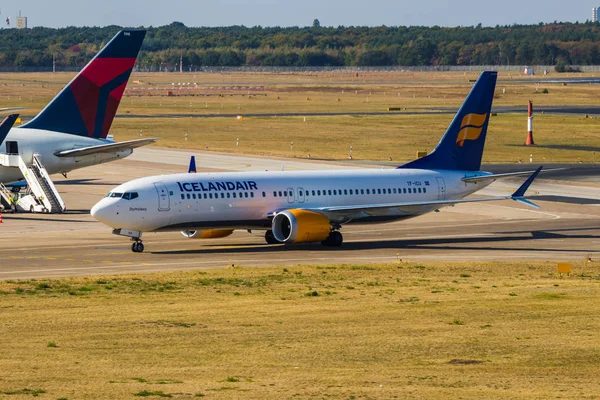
(543, 44)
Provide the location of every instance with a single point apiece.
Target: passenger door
(164, 202)
(441, 188)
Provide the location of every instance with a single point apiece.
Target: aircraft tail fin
(461, 147)
(192, 167)
(88, 104)
(5, 126)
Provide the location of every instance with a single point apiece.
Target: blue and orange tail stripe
(88, 104)
(461, 147)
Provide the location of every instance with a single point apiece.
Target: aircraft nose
(102, 212)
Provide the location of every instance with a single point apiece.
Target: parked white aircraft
(71, 132)
(299, 207)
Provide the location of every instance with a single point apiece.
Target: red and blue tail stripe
(88, 104)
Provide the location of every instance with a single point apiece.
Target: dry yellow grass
(507, 331)
(560, 138)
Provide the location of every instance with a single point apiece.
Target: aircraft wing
(6, 125)
(423, 206)
(105, 148)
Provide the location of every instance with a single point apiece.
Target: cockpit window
(130, 195)
(126, 196)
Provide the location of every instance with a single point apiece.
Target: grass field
(568, 139)
(470, 331)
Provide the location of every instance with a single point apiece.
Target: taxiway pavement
(567, 227)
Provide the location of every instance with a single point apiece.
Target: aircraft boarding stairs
(6, 197)
(39, 183)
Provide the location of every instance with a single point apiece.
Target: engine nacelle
(300, 226)
(207, 234)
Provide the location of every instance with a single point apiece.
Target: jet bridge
(40, 186)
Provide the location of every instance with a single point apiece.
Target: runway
(73, 244)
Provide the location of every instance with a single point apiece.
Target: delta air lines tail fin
(88, 104)
(461, 147)
(5, 126)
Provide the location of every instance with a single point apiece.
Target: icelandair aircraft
(312, 206)
(71, 131)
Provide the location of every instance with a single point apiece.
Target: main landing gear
(137, 246)
(270, 238)
(335, 239)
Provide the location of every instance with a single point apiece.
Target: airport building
(595, 14)
(21, 22)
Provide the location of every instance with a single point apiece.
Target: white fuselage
(248, 200)
(46, 144)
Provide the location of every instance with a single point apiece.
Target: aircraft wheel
(137, 247)
(31, 210)
(270, 238)
(335, 239)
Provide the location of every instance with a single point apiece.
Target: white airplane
(312, 206)
(71, 131)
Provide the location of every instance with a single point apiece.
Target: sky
(134, 13)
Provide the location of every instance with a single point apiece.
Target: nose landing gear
(137, 246)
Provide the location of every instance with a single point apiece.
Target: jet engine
(300, 226)
(207, 234)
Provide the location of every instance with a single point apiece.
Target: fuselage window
(329, 191)
(424, 190)
(205, 196)
(351, 191)
(264, 194)
(362, 191)
(313, 192)
(368, 191)
(345, 192)
(394, 190)
(194, 196)
(378, 191)
(228, 195)
(404, 190)
(334, 192)
(389, 191)
(280, 194)
(274, 194)
(188, 196)
(222, 195)
(210, 195)
(318, 192)
(182, 196)
(241, 195)
(234, 195)
(252, 194)
(419, 189)
(246, 194)
(409, 190)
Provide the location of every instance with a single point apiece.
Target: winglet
(520, 192)
(6, 125)
(192, 168)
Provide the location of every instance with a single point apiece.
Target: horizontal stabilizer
(6, 125)
(106, 148)
(483, 178)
